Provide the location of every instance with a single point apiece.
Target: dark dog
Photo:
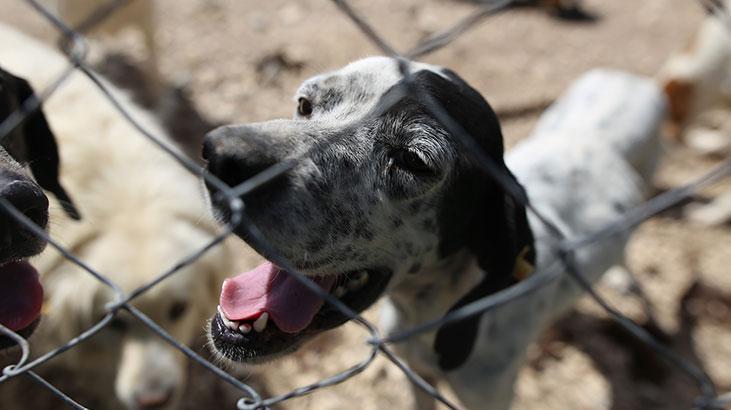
(30, 143)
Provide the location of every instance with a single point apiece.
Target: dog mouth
(21, 299)
(267, 311)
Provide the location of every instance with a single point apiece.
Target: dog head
(32, 144)
(129, 361)
(379, 193)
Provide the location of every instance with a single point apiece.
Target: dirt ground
(241, 60)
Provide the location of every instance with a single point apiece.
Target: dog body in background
(698, 77)
(31, 143)
(386, 201)
(696, 80)
(143, 213)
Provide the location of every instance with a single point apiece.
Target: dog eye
(176, 310)
(304, 107)
(411, 161)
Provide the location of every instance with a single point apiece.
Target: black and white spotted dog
(30, 143)
(387, 202)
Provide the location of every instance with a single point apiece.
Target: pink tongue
(21, 295)
(269, 289)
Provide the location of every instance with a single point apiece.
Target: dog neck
(447, 285)
(433, 289)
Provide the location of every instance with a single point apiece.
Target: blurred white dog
(142, 213)
(697, 79)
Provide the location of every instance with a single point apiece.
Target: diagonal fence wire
(75, 47)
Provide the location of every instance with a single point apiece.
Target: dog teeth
(261, 323)
(226, 321)
(234, 325)
(229, 324)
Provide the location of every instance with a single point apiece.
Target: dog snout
(149, 375)
(235, 154)
(16, 240)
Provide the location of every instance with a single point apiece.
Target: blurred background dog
(697, 81)
(143, 213)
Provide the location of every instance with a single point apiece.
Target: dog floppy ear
(476, 214)
(42, 151)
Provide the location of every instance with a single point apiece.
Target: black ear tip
(71, 210)
(66, 203)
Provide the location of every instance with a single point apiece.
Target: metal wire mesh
(75, 48)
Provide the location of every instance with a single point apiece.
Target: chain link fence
(75, 47)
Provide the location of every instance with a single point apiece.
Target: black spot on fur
(330, 99)
(363, 230)
(343, 226)
(548, 178)
(428, 225)
(316, 245)
(318, 189)
(424, 292)
(415, 206)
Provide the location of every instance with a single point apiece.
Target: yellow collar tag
(522, 268)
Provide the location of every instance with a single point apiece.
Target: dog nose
(153, 399)
(235, 155)
(15, 239)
